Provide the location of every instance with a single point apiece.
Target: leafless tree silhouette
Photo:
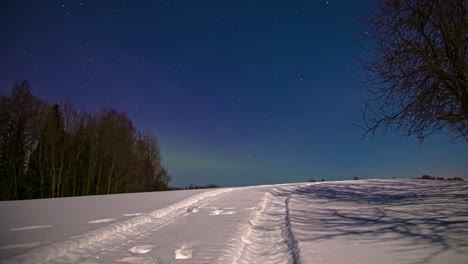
(418, 70)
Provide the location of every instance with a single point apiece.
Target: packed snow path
(26, 224)
(373, 221)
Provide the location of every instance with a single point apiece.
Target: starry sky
(238, 92)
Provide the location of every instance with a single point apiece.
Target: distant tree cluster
(428, 177)
(51, 150)
(313, 180)
(191, 186)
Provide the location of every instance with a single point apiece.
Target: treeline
(313, 180)
(428, 177)
(191, 187)
(52, 150)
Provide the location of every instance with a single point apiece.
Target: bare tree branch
(419, 69)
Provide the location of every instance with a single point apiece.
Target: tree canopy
(51, 150)
(418, 70)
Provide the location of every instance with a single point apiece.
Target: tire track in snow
(291, 240)
(76, 248)
(268, 237)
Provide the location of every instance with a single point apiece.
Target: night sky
(237, 92)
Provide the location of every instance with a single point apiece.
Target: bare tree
(418, 71)
(21, 115)
(151, 173)
(51, 150)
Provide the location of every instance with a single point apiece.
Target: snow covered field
(365, 221)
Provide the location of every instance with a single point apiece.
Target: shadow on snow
(417, 215)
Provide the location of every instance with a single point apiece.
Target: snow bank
(116, 232)
(367, 221)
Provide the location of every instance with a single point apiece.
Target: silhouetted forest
(52, 150)
(428, 177)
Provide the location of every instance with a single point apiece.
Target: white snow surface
(364, 221)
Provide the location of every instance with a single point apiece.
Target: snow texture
(105, 220)
(70, 216)
(132, 214)
(183, 252)
(24, 245)
(142, 249)
(29, 227)
(113, 232)
(365, 221)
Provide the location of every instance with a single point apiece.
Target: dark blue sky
(237, 92)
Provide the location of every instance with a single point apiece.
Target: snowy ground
(373, 221)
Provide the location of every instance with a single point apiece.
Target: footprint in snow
(192, 210)
(216, 212)
(222, 212)
(183, 252)
(105, 220)
(142, 249)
